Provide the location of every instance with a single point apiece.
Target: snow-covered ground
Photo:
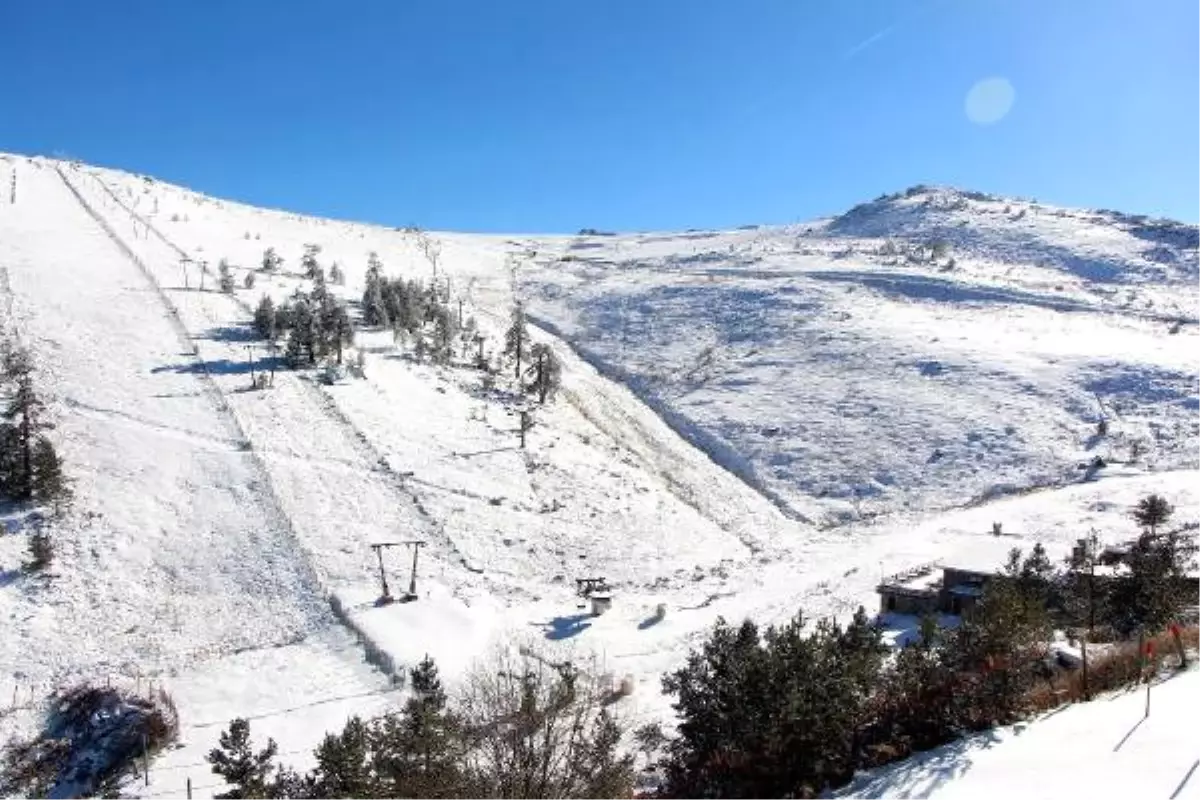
(1105, 748)
(751, 423)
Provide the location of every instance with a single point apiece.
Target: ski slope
(751, 422)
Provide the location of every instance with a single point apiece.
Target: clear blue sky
(552, 115)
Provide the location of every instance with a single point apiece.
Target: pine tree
(341, 330)
(49, 482)
(516, 338)
(336, 276)
(303, 338)
(248, 281)
(24, 412)
(225, 277)
(445, 328)
(271, 260)
(308, 261)
(236, 762)
(1155, 590)
(375, 313)
(1152, 511)
(417, 752)
(343, 764)
(545, 371)
(264, 319)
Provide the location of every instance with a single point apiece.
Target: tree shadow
(649, 622)
(1187, 777)
(1126, 737)
(221, 366)
(237, 334)
(922, 774)
(565, 627)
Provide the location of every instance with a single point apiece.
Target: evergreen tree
(265, 320)
(271, 260)
(24, 413)
(245, 770)
(1152, 511)
(418, 751)
(545, 372)
(516, 338)
(341, 330)
(308, 261)
(49, 482)
(375, 313)
(336, 276)
(303, 338)
(767, 716)
(1155, 590)
(225, 277)
(343, 764)
(248, 281)
(445, 328)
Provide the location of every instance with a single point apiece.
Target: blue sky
(552, 115)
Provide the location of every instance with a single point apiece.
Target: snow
(747, 426)
(1105, 748)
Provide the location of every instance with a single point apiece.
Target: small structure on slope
(922, 590)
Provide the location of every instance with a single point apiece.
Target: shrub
(91, 736)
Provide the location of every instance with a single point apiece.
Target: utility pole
(272, 348)
(412, 584)
(203, 269)
(526, 424)
(250, 361)
(183, 264)
(386, 596)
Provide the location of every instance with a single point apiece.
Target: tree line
(520, 727)
(422, 316)
(795, 709)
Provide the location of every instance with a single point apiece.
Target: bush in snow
(271, 260)
(225, 276)
(91, 736)
(41, 551)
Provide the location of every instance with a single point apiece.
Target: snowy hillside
(750, 422)
(1106, 748)
(918, 352)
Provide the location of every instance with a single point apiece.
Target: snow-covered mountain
(921, 351)
(751, 422)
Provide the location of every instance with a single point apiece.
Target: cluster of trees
(317, 324)
(536, 368)
(416, 312)
(421, 315)
(794, 710)
(523, 727)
